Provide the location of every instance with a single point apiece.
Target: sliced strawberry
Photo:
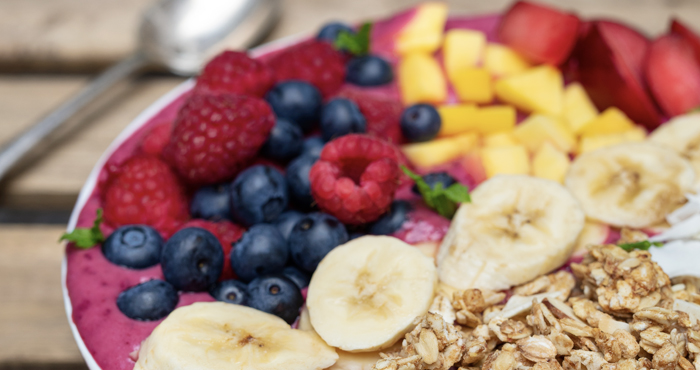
(540, 33)
(673, 74)
(691, 37)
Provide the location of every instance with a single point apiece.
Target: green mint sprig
(443, 200)
(84, 237)
(643, 245)
(354, 43)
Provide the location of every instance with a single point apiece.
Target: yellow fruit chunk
(462, 49)
(500, 139)
(423, 33)
(460, 118)
(473, 85)
(502, 61)
(550, 163)
(611, 121)
(578, 107)
(538, 129)
(440, 151)
(505, 160)
(421, 80)
(539, 90)
(590, 143)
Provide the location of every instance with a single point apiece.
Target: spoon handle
(17, 148)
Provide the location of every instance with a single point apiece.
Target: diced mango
(550, 163)
(611, 121)
(462, 49)
(538, 129)
(460, 118)
(503, 61)
(578, 107)
(591, 143)
(539, 90)
(473, 85)
(440, 151)
(423, 33)
(500, 139)
(506, 160)
(421, 80)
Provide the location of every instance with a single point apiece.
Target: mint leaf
(355, 43)
(443, 200)
(458, 193)
(84, 237)
(643, 245)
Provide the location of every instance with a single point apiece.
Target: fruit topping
(440, 151)
(421, 80)
(355, 178)
(505, 160)
(277, 295)
(462, 49)
(133, 246)
(285, 141)
(258, 194)
(538, 129)
(227, 233)
(420, 122)
(192, 259)
(230, 291)
(312, 146)
(286, 221)
(503, 61)
(330, 31)
(315, 62)
(682, 135)
(312, 237)
(341, 117)
(298, 183)
(149, 301)
(678, 28)
(423, 32)
(443, 199)
(382, 114)
(369, 70)
(463, 118)
(296, 101)
(550, 163)
(260, 251)
(156, 139)
(233, 72)
(392, 220)
(215, 136)
(434, 178)
(212, 202)
(298, 277)
(538, 90)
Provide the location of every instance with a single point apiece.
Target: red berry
(145, 190)
(156, 139)
(315, 62)
(383, 115)
(215, 136)
(234, 72)
(355, 178)
(228, 233)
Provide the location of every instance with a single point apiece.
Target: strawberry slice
(673, 74)
(688, 35)
(541, 34)
(610, 62)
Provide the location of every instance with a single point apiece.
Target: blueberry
(392, 220)
(434, 178)
(356, 235)
(276, 295)
(313, 237)
(341, 117)
(284, 142)
(297, 175)
(212, 202)
(297, 101)
(420, 122)
(230, 291)
(298, 277)
(133, 246)
(313, 146)
(261, 250)
(369, 70)
(258, 194)
(286, 221)
(192, 259)
(149, 301)
(330, 31)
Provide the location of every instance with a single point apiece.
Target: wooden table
(56, 37)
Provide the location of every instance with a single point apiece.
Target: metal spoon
(178, 35)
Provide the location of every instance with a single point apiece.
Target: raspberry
(156, 139)
(144, 190)
(215, 136)
(234, 72)
(355, 178)
(228, 233)
(315, 62)
(383, 114)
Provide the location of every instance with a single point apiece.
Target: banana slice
(632, 184)
(516, 229)
(366, 294)
(217, 335)
(682, 135)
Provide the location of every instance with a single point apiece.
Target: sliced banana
(632, 184)
(217, 335)
(682, 135)
(366, 294)
(516, 229)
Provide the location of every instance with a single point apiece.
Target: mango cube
(500, 139)
(550, 163)
(423, 33)
(473, 85)
(503, 61)
(611, 121)
(440, 151)
(505, 160)
(462, 49)
(460, 118)
(591, 143)
(496, 118)
(421, 80)
(578, 107)
(539, 90)
(538, 129)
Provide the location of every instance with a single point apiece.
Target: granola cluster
(618, 311)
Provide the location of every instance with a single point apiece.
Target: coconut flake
(678, 258)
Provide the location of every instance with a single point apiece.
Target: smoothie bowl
(420, 192)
